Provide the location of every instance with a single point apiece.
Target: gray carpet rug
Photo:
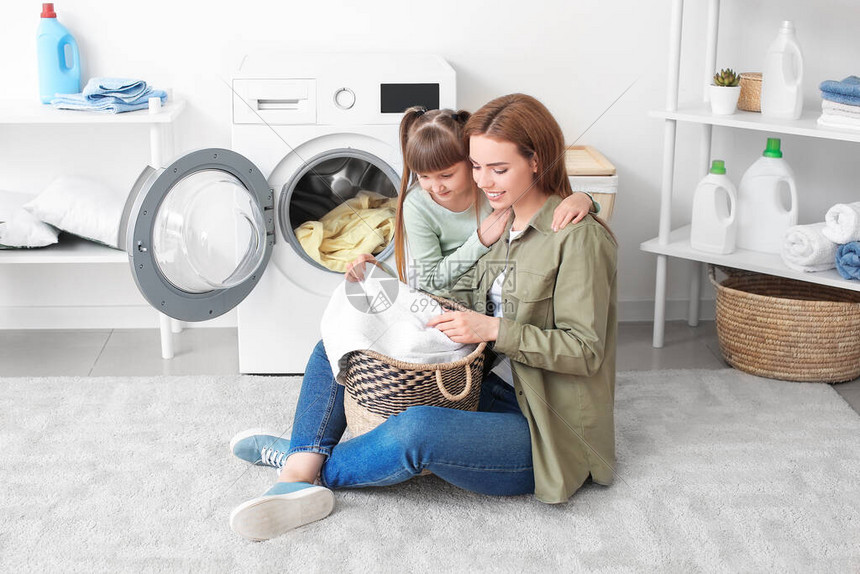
(719, 472)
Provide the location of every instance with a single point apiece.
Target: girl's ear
(533, 163)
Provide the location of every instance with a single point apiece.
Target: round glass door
(208, 233)
(200, 233)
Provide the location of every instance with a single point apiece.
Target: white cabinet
(71, 250)
(676, 242)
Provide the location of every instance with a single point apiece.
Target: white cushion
(82, 207)
(18, 227)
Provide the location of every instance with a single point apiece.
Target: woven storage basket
(378, 386)
(786, 329)
(750, 98)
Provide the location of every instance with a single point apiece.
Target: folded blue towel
(848, 260)
(850, 86)
(110, 95)
(841, 98)
(846, 91)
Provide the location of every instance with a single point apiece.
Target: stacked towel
(840, 103)
(842, 223)
(848, 260)
(805, 248)
(110, 95)
(386, 316)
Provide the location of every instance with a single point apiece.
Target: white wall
(577, 56)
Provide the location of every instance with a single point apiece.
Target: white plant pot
(724, 99)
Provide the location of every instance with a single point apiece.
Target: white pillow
(18, 228)
(80, 206)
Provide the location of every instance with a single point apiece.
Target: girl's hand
(467, 326)
(494, 225)
(572, 210)
(355, 268)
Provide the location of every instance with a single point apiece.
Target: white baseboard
(144, 317)
(94, 317)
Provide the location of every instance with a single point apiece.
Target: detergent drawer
(274, 102)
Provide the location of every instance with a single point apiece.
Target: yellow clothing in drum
(363, 224)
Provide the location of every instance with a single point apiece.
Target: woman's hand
(572, 210)
(494, 225)
(467, 326)
(355, 268)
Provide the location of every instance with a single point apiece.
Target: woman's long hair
(529, 125)
(430, 141)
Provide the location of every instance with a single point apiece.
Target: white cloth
(387, 316)
(502, 368)
(804, 248)
(842, 223)
(829, 120)
(839, 109)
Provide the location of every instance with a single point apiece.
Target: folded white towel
(804, 248)
(386, 316)
(843, 223)
(840, 109)
(828, 120)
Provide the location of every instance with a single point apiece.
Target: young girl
(438, 217)
(544, 430)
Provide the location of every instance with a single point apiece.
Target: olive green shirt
(559, 330)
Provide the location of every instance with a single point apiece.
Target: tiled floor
(214, 351)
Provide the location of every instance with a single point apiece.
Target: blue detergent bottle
(59, 59)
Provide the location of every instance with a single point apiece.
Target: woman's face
(501, 171)
(450, 188)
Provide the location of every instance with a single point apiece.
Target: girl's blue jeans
(488, 451)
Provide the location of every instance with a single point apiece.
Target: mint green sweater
(442, 244)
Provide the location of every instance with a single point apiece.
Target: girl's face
(501, 171)
(451, 188)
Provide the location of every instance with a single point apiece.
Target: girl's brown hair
(429, 141)
(527, 123)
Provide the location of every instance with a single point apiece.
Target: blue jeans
(488, 451)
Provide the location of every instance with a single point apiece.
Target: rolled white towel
(842, 223)
(805, 248)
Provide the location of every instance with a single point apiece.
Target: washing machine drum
(199, 233)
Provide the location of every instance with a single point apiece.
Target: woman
(545, 424)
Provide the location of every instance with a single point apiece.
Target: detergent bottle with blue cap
(59, 58)
(713, 224)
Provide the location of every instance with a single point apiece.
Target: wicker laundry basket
(785, 329)
(378, 386)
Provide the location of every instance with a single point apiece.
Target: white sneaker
(285, 506)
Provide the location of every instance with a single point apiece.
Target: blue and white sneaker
(260, 447)
(284, 507)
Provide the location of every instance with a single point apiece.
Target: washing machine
(215, 229)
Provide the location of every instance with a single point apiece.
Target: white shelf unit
(676, 243)
(73, 250)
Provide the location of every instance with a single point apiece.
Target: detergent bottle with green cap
(713, 224)
(767, 201)
(59, 58)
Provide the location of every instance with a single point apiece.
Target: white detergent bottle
(713, 225)
(782, 76)
(765, 189)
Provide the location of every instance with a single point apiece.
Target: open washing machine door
(199, 233)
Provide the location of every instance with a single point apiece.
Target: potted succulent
(725, 91)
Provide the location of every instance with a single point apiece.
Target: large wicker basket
(786, 329)
(378, 386)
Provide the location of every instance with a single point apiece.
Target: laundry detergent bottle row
(782, 76)
(59, 58)
(713, 225)
(767, 201)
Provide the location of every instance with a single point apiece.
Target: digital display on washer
(395, 98)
